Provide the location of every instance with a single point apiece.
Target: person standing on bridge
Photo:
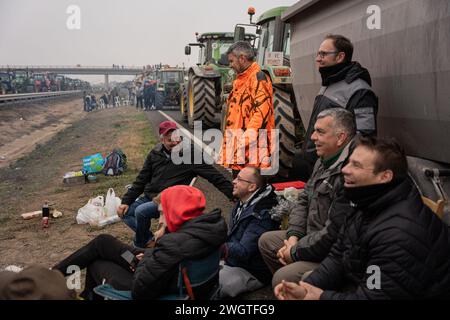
(250, 108)
(345, 84)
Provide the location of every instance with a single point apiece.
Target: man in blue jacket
(244, 269)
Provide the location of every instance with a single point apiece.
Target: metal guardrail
(7, 98)
(51, 67)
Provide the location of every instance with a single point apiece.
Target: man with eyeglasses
(244, 269)
(345, 84)
(315, 221)
(158, 173)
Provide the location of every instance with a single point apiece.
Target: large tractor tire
(159, 100)
(201, 97)
(285, 123)
(184, 102)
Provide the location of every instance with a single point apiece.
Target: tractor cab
(168, 83)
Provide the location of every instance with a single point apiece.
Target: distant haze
(132, 32)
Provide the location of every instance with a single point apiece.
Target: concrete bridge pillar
(107, 81)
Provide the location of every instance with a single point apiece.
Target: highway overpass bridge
(79, 70)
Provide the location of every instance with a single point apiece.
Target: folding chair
(195, 277)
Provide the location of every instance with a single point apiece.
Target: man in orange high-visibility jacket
(250, 109)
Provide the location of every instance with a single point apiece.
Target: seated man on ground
(391, 247)
(244, 269)
(158, 173)
(189, 234)
(314, 224)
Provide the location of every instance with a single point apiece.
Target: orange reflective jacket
(250, 109)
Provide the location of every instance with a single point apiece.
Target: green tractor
(210, 80)
(7, 83)
(23, 83)
(273, 55)
(168, 83)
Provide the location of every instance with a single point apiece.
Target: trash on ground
(74, 177)
(92, 178)
(32, 214)
(56, 214)
(99, 212)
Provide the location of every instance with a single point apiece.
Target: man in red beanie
(158, 173)
(190, 234)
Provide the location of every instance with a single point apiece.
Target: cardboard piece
(31, 215)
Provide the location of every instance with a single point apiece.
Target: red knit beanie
(180, 204)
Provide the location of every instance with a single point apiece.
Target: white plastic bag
(91, 212)
(103, 222)
(98, 212)
(97, 201)
(111, 203)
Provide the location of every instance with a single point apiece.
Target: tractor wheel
(285, 123)
(183, 102)
(201, 97)
(159, 100)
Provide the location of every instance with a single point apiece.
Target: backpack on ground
(115, 163)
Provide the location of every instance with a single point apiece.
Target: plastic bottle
(45, 215)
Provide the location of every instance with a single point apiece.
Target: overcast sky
(132, 32)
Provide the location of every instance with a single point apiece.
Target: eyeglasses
(243, 180)
(322, 54)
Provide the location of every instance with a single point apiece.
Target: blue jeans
(138, 218)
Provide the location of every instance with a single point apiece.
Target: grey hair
(244, 48)
(344, 120)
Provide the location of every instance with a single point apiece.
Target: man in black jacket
(158, 173)
(345, 84)
(391, 247)
(188, 233)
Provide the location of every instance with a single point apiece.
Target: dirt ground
(24, 126)
(28, 182)
(61, 134)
